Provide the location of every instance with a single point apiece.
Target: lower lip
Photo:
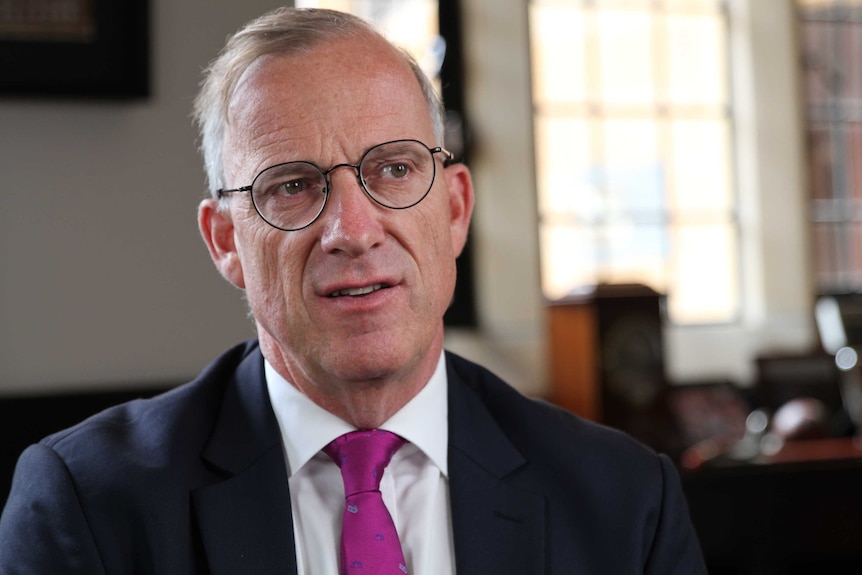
(367, 302)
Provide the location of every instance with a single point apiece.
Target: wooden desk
(819, 450)
(798, 512)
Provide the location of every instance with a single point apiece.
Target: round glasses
(396, 175)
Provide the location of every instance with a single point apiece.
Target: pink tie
(369, 542)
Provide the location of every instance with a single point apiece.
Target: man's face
(328, 107)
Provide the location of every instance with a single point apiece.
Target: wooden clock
(607, 358)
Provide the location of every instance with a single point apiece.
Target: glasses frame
(448, 159)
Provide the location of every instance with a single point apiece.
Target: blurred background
(667, 236)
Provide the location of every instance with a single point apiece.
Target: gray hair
(288, 32)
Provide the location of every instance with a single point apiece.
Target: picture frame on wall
(74, 48)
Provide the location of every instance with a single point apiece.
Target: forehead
(343, 96)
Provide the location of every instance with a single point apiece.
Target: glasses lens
(289, 196)
(398, 174)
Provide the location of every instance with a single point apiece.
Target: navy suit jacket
(194, 481)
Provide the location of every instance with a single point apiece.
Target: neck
(365, 403)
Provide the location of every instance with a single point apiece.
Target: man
(335, 208)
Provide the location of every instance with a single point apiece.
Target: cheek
(271, 276)
(438, 257)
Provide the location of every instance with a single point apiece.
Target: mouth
(358, 291)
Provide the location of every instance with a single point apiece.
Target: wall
(506, 233)
(103, 276)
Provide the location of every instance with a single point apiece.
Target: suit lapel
(245, 521)
(497, 528)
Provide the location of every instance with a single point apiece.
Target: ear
(216, 226)
(460, 185)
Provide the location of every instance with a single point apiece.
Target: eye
(289, 188)
(396, 170)
(292, 181)
(293, 187)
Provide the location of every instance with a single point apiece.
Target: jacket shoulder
(148, 433)
(553, 438)
(109, 490)
(609, 500)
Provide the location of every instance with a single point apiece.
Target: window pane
(410, 24)
(567, 259)
(855, 268)
(820, 161)
(694, 5)
(626, 57)
(634, 253)
(630, 143)
(340, 5)
(564, 180)
(855, 136)
(636, 192)
(838, 255)
(704, 285)
(816, 56)
(621, 252)
(700, 152)
(557, 53)
(852, 44)
(695, 53)
(632, 174)
(641, 5)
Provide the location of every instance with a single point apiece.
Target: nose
(352, 221)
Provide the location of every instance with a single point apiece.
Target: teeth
(357, 291)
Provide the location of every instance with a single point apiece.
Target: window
(831, 38)
(411, 24)
(633, 143)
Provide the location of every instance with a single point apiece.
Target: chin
(370, 359)
(360, 366)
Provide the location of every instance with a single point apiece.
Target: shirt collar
(306, 428)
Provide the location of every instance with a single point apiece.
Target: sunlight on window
(633, 150)
(410, 24)
(625, 60)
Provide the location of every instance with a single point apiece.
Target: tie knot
(362, 457)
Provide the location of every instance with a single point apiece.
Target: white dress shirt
(415, 485)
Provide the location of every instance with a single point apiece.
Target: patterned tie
(369, 542)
